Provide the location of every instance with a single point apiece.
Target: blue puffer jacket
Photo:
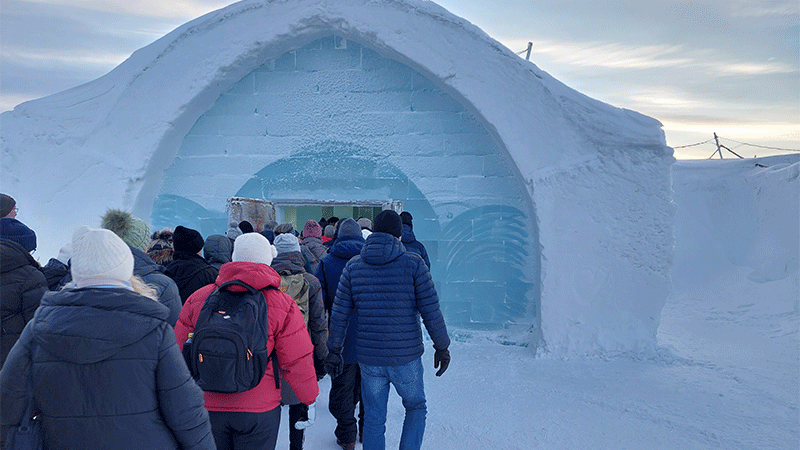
(328, 272)
(411, 244)
(389, 288)
(107, 373)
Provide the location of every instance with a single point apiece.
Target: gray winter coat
(314, 251)
(317, 321)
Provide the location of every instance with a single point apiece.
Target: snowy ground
(727, 375)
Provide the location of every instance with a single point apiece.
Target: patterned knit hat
(312, 229)
(365, 223)
(130, 228)
(160, 248)
(100, 257)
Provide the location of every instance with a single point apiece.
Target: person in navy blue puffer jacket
(345, 391)
(105, 367)
(388, 288)
(409, 240)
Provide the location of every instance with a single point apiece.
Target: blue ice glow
(336, 121)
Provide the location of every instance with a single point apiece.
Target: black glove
(441, 357)
(334, 364)
(319, 367)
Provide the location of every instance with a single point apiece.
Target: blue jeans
(407, 381)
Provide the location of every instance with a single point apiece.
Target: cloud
(619, 56)
(765, 8)
(612, 55)
(74, 57)
(173, 9)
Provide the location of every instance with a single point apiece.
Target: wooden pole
(716, 139)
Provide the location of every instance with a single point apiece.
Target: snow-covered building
(546, 214)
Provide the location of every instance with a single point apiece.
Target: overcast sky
(725, 66)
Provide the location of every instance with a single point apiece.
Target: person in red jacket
(250, 419)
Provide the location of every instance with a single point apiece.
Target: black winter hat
(407, 218)
(388, 221)
(245, 226)
(187, 240)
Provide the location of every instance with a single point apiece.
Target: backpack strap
(238, 283)
(274, 357)
(275, 373)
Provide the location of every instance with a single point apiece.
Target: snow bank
(743, 212)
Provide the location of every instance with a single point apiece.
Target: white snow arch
(335, 121)
(597, 175)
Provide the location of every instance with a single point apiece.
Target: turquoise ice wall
(335, 120)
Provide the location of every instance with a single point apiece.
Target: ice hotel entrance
(298, 212)
(335, 128)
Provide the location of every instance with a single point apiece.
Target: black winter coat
(190, 272)
(107, 373)
(55, 271)
(22, 285)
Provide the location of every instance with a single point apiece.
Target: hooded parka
(389, 288)
(106, 374)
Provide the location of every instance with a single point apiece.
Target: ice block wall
(336, 121)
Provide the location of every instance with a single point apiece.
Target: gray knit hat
(349, 227)
(287, 242)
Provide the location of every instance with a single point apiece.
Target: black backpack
(228, 350)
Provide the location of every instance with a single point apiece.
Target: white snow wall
(597, 177)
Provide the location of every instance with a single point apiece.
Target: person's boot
(350, 446)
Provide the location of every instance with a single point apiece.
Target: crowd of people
(96, 339)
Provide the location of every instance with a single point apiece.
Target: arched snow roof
(598, 176)
(137, 114)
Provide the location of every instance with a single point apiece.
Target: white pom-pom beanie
(100, 257)
(253, 247)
